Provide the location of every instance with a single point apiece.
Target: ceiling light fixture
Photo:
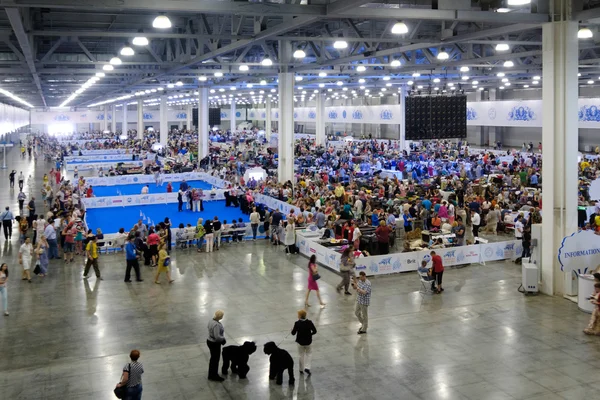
(340, 43)
(16, 98)
(116, 61)
(518, 2)
(386, 78)
(127, 51)
(178, 83)
(361, 80)
(322, 74)
(585, 33)
(299, 53)
(263, 82)
(509, 64)
(161, 22)
(500, 74)
(202, 78)
(339, 83)
(244, 67)
(100, 74)
(267, 62)
(361, 68)
(399, 28)
(536, 78)
(464, 69)
(108, 67)
(416, 74)
(395, 63)
(218, 74)
(442, 55)
(502, 47)
(140, 41)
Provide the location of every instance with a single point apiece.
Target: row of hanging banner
(515, 113)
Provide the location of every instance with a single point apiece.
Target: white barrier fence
(85, 166)
(99, 158)
(136, 179)
(102, 152)
(142, 199)
(403, 262)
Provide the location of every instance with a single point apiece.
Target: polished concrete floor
(68, 338)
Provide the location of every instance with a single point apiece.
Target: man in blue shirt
(7, 219)
(132, 261)
(533, 180)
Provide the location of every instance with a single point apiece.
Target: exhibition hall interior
(299, 199)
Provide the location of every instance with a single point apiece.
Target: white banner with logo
(142, 199)
(103, 152)
(526, 113)
(98, 158)
(580, 252)
(275, 204)
(105, 165)
(136, 179)
(381, 114)
(510, 250)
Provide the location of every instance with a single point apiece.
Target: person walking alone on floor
(347, 265)
(313, 276)
(91, 250)
(11, 178)
(363, 299)
(3, 289)
(215, 340)
(304, 329)
(131, 258)
(21, 198)
(132, 377)
(7, 218)
(438, 271)
(254, 220)
(210, 236)
(25, 256)
(164, 263)
(21, 180)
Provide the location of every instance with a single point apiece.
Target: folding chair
(425, 285)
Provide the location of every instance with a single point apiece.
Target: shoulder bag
(121, 391)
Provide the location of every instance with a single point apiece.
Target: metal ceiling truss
(59, 44)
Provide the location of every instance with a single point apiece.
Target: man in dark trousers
(7, 220)
(132, 261)
(11, 178)
(438, 271)
(31, 209)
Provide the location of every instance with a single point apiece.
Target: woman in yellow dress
(162, 259)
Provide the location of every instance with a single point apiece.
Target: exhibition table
(585, 286)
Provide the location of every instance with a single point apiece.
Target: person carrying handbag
(347, 265)
(130, 385)
(313, 276)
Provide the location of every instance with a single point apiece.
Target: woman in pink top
(312, 283)
(152, 242)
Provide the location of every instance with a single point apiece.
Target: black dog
(279, 361)
(238, 356)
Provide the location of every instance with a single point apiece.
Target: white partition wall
(12, 118)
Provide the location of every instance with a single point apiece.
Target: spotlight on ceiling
(509, 64)
(267, 62)
(218, 74)
(502, 47)
(464, 69)
(399, 28)
(161, 22)
(299, 53)
(361, 68)
(127, 51)
(340, 43)
(244, 67)
(140, 41)
(442, 55)
(585, 33)
(116, 61)
(395, 63)
(108, 67)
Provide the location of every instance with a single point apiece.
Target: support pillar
(163, 124)
(233, 123)
(286, 127)
(140, 119)
(203, 122)
(104, 124)
(402, 126)
(320, 120)
(560, 143)
(188, 117)
(480, 133)
(268, 127)
(492, 138)
(124, 124)
(113, 121)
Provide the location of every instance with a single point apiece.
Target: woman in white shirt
(25, 256)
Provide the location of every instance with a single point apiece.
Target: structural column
(104, 125)
(320, 120)
(203, 123)
(163, 124)
(113, 121)
(233, 123)
(124, 124)
(492, 138)
(140, 119)
(286, 127)
(560, 143)
(402, 126)
(268, 128)
(188, 117)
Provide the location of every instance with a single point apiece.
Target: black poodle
(279, 361)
